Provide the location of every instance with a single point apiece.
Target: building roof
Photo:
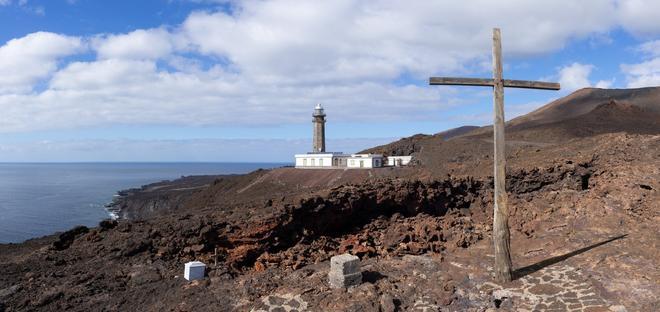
(367, 155)
(326, 154)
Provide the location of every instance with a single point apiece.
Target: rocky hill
(586, 100)
(583, 181)
(412, 145)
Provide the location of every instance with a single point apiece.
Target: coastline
(157, 197)
(44, 198)
(113, 212)
(281, 227)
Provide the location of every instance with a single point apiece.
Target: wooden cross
(501, 236)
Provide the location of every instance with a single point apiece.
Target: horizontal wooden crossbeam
(525, 84)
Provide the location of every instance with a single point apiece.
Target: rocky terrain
(583, 180)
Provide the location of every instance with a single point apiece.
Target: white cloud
(274, 59)
(575, 76)
(604, 84)
(23, 4)
(640, 16)
(26, 60)
(644, 74)
(651, 48)
(139, 44)
(340, 40)
(136, 92)
(647, 72)
(111, 75)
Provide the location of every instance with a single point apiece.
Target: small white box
(194, 270)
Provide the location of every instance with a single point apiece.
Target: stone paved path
(281, 303)
(554, 288)
(425, 304)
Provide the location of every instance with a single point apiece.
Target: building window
(377, 162)
(352, 162)
(313, 162)
(361, 163)
(320, 162)
(304, 162)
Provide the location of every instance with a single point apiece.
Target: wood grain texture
(501, 236)
(528, 84)
(524, 84)
(460, 81)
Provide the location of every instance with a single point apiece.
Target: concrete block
(344, 271)
(344, 280)
(194, 270)
(345, 264)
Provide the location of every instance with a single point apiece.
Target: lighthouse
(318, 158)
(319, 129)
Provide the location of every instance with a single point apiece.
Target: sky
(177, 80)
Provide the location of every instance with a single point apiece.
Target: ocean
(38, 199)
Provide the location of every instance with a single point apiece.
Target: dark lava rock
(133, 247)
(48, 297)
(108, 224)
(144, 275)
(6, 292)
(66, 239)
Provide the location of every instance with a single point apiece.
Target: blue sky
(237, 80)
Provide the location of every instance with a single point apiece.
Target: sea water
(38, 199)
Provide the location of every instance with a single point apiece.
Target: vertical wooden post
(501, 236)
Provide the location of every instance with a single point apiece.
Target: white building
(365, 161)
(398, 161)
(320, 159)
(339, 160)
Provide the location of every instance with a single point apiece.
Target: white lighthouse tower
(319, 129)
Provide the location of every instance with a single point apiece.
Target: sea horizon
(42, 198)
